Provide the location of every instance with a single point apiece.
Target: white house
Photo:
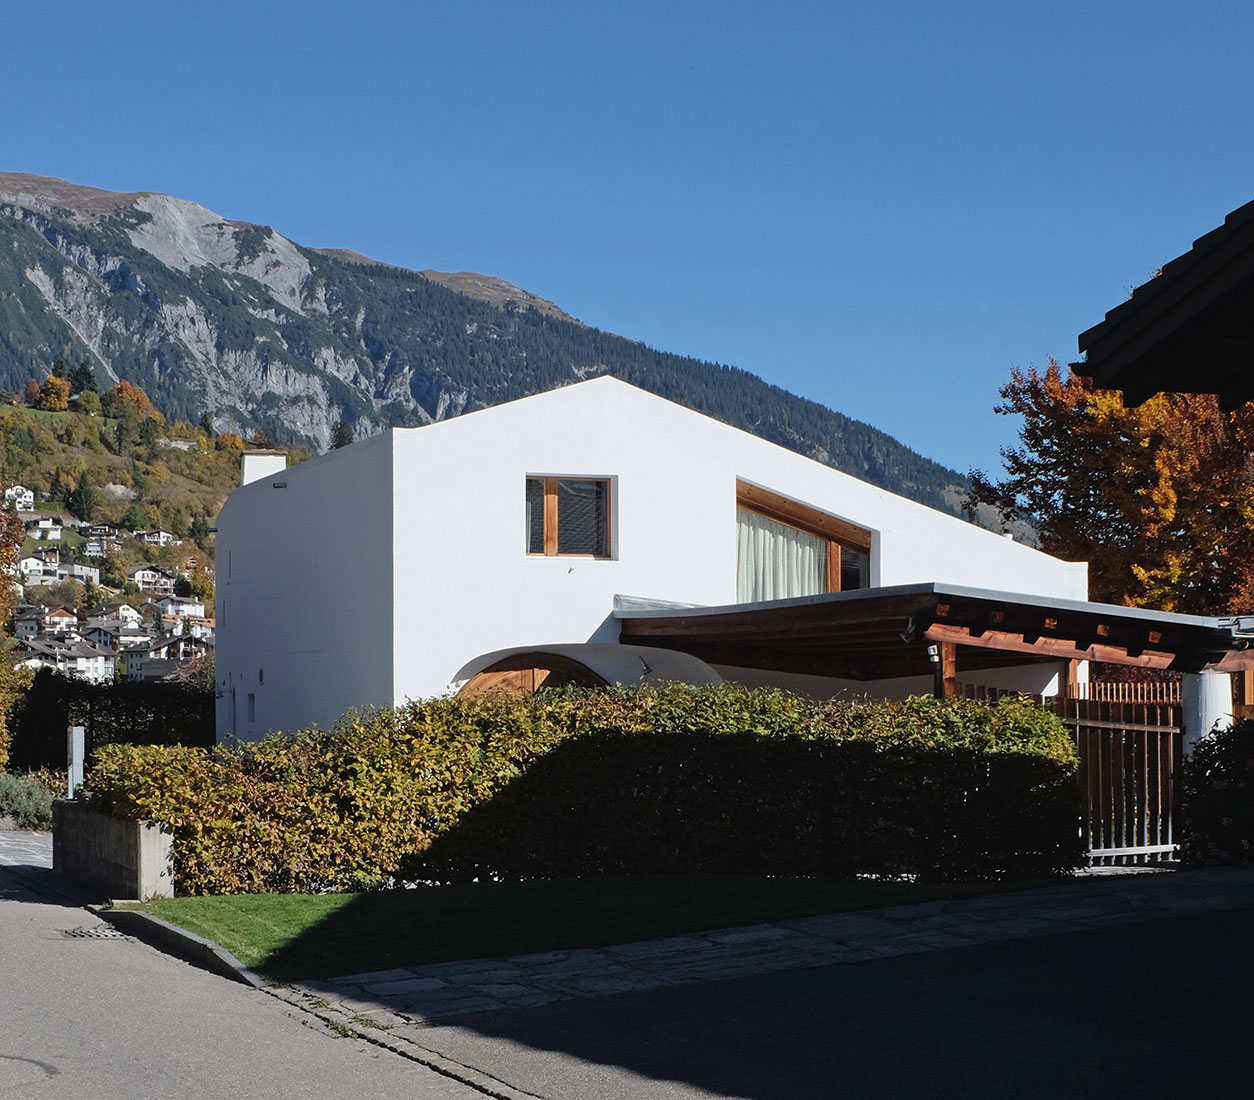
(182, 607)
(47, 528)
(153, 579)
(156, 537)
(19, 498)
(71, 656)
(519, 525)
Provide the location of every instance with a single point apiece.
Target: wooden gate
(1130, 755)
(1129, 741)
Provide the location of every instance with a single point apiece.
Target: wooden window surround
(544, 536)
(838, 532)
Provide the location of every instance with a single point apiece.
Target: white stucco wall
(673, 522)
(304, 593)
(442, 529)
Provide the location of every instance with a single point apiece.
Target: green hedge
(1218, 797)
(642, 780)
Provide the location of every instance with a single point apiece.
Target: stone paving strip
(406, 1000)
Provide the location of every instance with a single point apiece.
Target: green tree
(83, 380)
(89, 403)
(83, 499)
(342, 435)
(198, 529)
(138, 517)
(92, 596)
(150, 430)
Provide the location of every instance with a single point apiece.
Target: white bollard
(74, 752)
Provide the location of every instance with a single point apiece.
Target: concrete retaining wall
(125, 859)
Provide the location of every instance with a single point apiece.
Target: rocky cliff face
(232, 319)
(207, 313)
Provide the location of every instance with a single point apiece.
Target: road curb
(161, 933)
(340, 1022)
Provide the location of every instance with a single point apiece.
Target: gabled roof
(1188, 330)
(151, 569)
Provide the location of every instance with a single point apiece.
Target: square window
(568, 516)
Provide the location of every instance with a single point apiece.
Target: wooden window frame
(840, 533)
(550, 516)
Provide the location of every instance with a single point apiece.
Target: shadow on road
(1157, 1008)
(32, 883)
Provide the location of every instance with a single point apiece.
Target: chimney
(254, 465)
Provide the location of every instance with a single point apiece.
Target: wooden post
(949, 669)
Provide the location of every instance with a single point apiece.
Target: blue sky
(880, 207)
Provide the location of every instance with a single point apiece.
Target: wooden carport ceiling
(884, 633)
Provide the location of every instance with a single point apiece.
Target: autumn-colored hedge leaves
(614, 781)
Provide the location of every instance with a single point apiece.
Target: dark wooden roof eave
(1188, 330)
(884, 633)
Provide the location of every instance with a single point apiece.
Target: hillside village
(114, 578)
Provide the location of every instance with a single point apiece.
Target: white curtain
(775, 561)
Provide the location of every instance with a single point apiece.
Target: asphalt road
(114, 1018)
(1159, 1009)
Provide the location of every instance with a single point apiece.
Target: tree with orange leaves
(12, 681)
(54, 394)
(127, 397)
(1158, 498)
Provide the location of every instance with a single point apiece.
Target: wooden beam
(833, 565)
(1048, 647)
(550, 516)
(796, 514)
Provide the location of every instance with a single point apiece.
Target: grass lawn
(292, 936)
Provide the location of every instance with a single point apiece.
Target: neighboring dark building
(1190, 329)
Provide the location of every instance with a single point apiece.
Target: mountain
(232, 319)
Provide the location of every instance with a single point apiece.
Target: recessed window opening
(786, 549)
(568, 516)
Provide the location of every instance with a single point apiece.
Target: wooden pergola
(937, 629)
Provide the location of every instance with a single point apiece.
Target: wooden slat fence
(1154, 691)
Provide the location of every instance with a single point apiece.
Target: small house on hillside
(542, 523)
(153, 579)
(19, 498)
(45, 528)
(68, 655)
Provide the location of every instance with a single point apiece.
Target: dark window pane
(535, 515)
(581, 518)
(852, 569)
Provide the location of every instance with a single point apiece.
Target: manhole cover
(103, 932)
